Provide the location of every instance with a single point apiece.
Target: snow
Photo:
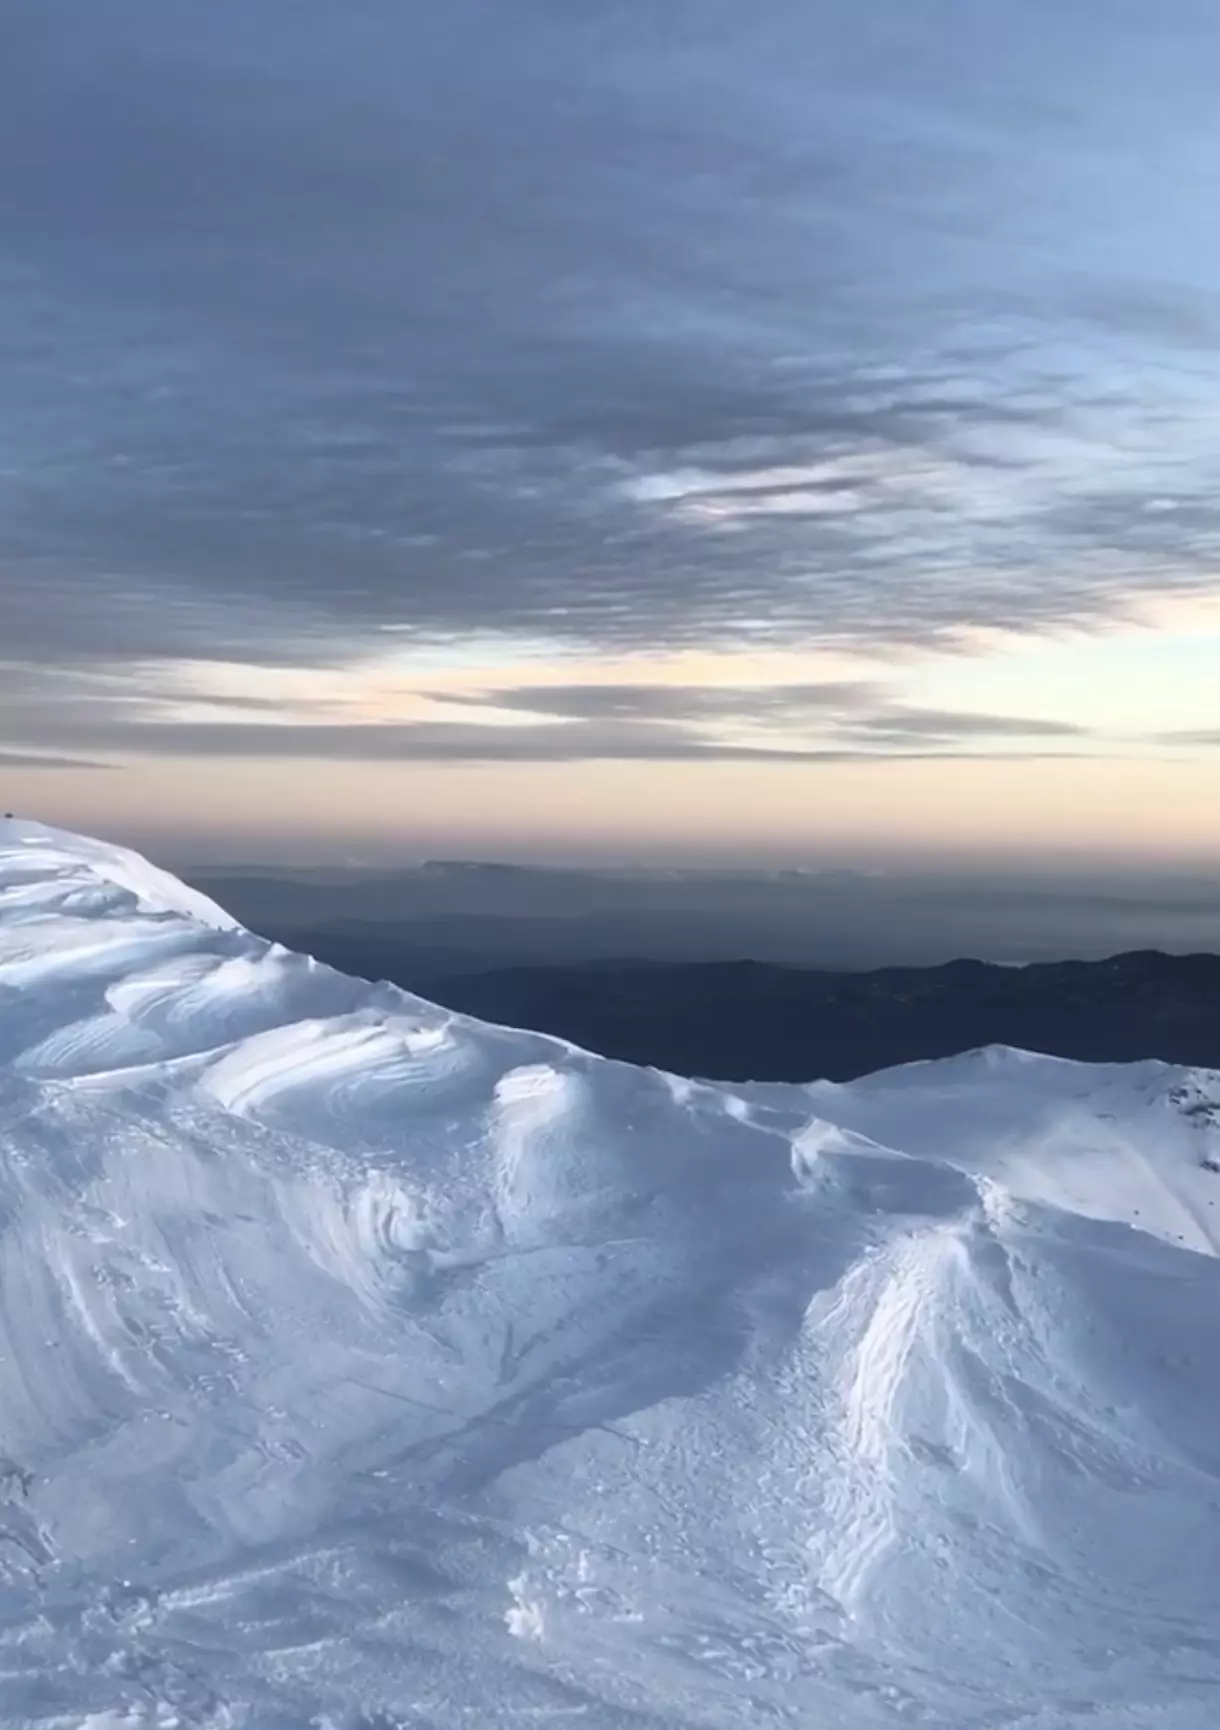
(364, 1367)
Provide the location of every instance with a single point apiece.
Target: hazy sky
(612, 430)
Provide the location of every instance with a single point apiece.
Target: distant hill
(754, 1021)
(473, 918)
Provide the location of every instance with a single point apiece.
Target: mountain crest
(363, 1364)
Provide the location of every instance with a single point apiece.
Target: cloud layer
(621, 326)
(831, 721)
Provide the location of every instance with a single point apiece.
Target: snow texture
(363, 1367)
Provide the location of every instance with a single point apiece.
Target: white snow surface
(363, 1367)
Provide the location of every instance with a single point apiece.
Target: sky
(613, 432)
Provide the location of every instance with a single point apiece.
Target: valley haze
(488, 914)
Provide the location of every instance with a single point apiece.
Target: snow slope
(363, 1367)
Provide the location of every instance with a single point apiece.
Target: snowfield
(363, 1367)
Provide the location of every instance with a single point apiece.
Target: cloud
(440, 741)
(148, 713)
(45, 760)
(897, 723)
(599, 736)
(543, 322)
(673, 702)
(443, 742)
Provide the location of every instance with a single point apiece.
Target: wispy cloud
(896, 723)
(439, 742)
(69, 713)
(1189, 736)
(47, 760)
(834, 720)
(673, 702)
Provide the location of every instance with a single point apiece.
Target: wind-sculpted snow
(363, 1367)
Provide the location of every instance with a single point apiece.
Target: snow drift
(364, 1367)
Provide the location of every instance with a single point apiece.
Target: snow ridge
(362, 1366)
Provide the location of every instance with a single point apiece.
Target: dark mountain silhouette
(754, 1021)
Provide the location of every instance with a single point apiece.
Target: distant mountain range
(446, 918)
(755, 1021)
(772, 976)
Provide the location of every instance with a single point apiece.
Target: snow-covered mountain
(363, 1366)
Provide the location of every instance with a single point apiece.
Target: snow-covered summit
(78, 874)
(363, 1366)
